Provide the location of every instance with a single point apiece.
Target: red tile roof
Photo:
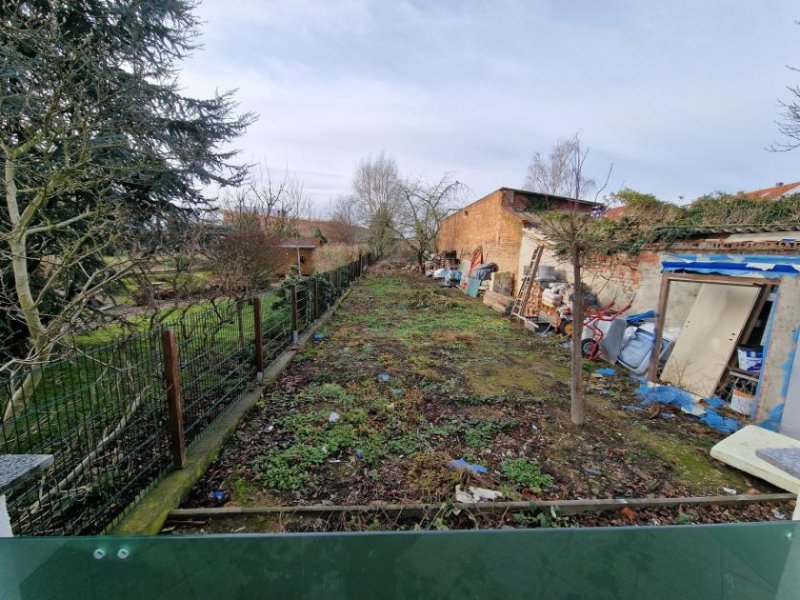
(773, 193)
(614, 213)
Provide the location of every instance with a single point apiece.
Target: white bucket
(743, 402)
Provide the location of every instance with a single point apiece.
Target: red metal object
(590, 347)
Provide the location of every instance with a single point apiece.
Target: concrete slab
(16, 468)
(786, 459)
(739, 451)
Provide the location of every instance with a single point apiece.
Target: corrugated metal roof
(694, 231)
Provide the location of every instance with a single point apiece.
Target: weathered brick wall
(487, 225)
(620, 279)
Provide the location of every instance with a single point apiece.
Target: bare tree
(344, 223)
(280, 203)
(422, 208)
(573, 235)
(377, 198)
(245, 253)
(555, 172)
(790, 124)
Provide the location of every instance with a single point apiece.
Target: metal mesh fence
(276, 326)
(104, 416)
(216, 353)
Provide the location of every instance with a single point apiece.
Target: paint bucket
(750, 358)
(743, 402)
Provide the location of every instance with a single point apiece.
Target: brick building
(496, 223)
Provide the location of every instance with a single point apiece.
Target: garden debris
(740, 451)
(720, 423)
(396, 392)
(476, 494)
(462, 464)
(319, 336)
(384, 377)
(607, 371)
(333, 417)
(219, 497)
(629, 514)
(650, 393)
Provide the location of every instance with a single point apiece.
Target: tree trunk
(37, 334)
(575, 387)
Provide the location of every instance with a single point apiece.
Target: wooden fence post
(315, 298)
(172, 383)
(259, 334)
(294, 313)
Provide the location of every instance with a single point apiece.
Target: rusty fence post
(172, 383)
(258, 326)
(294, 314)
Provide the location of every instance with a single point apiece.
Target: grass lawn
(419, 376)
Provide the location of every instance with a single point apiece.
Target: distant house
(309, 235)
(298, 251)
(333, 232)
(779, 190)
(497, 224)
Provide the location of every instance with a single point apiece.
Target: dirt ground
(409, 377)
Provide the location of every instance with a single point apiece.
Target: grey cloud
(681, 97)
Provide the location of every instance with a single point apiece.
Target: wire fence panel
(217, 353)
(102, 416)
(276, 326)
(303, 304)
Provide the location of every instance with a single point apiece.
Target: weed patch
(527, 474)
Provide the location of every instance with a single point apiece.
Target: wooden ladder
(526, 286)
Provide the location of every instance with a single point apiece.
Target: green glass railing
(709, 562)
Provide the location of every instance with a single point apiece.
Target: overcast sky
(681, 96)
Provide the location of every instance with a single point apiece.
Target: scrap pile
(472, 277)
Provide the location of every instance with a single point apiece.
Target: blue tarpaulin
(672, 396)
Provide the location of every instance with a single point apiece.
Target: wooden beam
(172, 383)
(314, 298)
(295, 327)
(565, 507)
(661, 317)
(259, 334)
(719, 279)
